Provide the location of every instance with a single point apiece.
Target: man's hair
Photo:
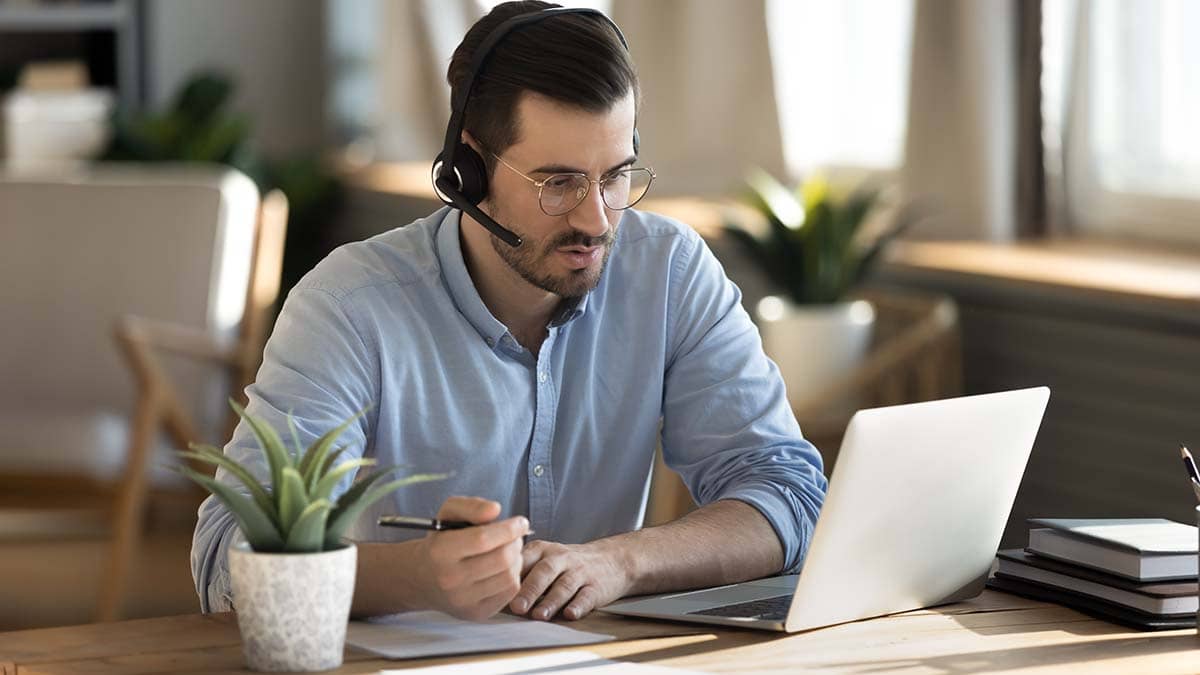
(574, 59)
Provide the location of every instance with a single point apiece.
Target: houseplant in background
(815, 246)
(293, 577)
(199, 126)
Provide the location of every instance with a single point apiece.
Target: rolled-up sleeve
(727, 427)
(318, 368)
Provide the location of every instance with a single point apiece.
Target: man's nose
(590, 217)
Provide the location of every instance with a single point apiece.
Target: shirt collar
(466, 296)
(458, 280)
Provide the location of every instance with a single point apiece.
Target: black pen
(432, 524)
(413, 523)
(1190, 465)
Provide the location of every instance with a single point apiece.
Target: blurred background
(918, 198)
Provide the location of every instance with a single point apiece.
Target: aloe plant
(296, 512)
(815, 248)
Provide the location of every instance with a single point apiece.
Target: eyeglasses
(561, 192)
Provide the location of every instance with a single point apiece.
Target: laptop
(913, 517)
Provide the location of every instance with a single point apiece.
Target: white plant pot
(292, 608)
(814, 345)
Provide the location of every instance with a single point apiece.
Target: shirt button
(489, 341)
(539, 470)
(542, 377)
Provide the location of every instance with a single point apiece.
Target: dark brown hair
(575, 59)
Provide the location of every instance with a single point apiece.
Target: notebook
(1163, 597)
(1143, 549)
(1109, 611)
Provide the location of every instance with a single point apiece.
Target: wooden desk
(994, 632)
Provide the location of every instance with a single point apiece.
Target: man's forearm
(387, 581)
(725, 542)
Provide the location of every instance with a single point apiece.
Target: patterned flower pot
(292, 608)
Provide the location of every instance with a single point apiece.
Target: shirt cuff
(792, 525)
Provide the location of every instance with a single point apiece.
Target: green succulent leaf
(212, 455)
(314, 458)
(324, 488)
(308, 533)
(296, 450)
(257, 527)
(293, 499)
(348, 510)
(268, 440)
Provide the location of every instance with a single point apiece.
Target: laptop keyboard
(769, 609)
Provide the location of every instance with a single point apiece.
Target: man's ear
(470, 141)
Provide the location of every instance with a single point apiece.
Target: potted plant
(293, 577)
(814, 248)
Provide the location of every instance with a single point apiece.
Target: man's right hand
(474, 572)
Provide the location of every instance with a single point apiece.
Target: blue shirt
(661, 348)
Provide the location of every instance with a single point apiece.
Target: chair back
(80, 251)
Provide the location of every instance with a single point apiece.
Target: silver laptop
(914, 513)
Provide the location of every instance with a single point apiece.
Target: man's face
(565, 254)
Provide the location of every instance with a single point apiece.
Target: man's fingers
(504, 559)
(481, 539)
(471, 509)
(582, 604)
(559, 595)
(540, 577)
(530, 555)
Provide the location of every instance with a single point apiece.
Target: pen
(432, 524)
(412, 523)
(1190, 465)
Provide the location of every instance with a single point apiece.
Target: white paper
(420, 634)
(575, 663)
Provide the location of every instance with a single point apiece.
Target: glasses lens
(626, 188)
(563, 192)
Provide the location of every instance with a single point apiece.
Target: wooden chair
(194, 255)
(159, 405)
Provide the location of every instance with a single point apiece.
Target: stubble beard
(531, 261)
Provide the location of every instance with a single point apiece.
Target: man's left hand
(571, 578)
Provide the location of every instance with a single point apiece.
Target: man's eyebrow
(563, 168)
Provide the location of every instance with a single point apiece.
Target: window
(841, 73)
(1122, 89)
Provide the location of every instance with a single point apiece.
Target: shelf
(62, 17)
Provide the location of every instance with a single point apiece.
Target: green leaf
(268, 440)
(314, 458)
(308, 533)
(257, 527)
(212, 455)
(324, 488)
(292, 499)
(348, 510)
(297, 450)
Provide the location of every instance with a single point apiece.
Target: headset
(459, 174)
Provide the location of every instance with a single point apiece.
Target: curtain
(708, 107)
(389, 59)
(960, 152)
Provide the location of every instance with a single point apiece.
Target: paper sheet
(421, 634)
(575, 663)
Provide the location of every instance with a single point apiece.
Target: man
(542, 375)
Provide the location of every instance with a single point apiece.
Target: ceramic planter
(814, 345)
(292, 608)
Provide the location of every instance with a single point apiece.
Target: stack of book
(1138, 572)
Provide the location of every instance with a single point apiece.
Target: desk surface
(994, 632)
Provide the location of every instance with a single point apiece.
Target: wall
(275, 49)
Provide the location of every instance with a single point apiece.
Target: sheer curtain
(841, 78)
(1122, 84)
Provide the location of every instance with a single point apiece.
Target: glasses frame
(541, 184)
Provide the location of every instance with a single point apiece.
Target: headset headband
(460, 98)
